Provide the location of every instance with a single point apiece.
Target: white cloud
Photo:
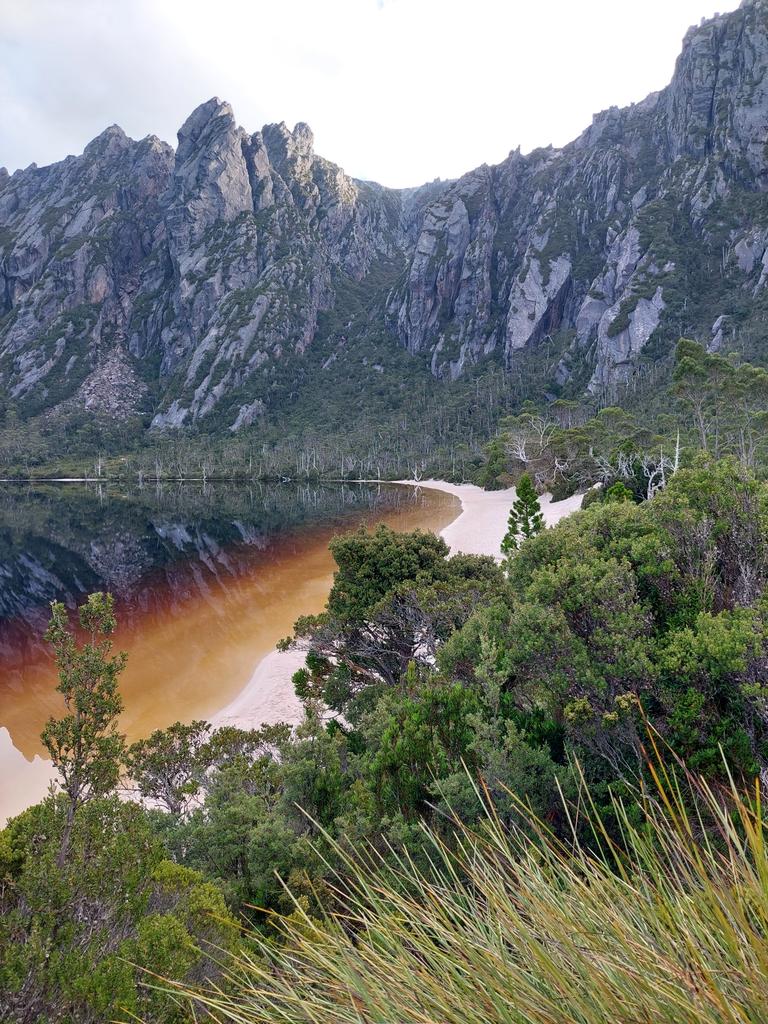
(400, 91)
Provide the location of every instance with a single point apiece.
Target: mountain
(207, 285)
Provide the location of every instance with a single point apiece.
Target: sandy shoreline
(478, 529)
(480, 526)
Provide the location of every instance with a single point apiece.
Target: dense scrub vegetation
(427, 676)
(76, 937)
(439, 690)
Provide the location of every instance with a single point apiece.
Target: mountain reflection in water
(206, 581)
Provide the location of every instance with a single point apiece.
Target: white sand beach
(22, 782)
(268, 696)
(479, 528)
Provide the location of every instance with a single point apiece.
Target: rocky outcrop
(537, 301)
(208, 273)
(607, 243)
(210, 184)
(619, 346)
(72, 239)
(113, 389)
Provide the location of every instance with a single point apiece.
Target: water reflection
(206, 580)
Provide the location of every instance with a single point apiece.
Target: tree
(77, 939)
(495, 465)
(169, 766)
(619, 492)
(174, 766)
(716, 515)
(747, 414)
(84, 745)
(395, 598)
(702, 382)
(371, 564)
(417, 738)
(529, 444)
(525, 518)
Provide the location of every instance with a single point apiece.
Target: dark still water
(206, 581)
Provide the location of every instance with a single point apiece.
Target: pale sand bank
(268, 697)
(37, 775)
(479, 528)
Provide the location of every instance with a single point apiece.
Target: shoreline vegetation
(268, 697)
(442, 696)
(430, 681)
(478, 529)
(197, 639)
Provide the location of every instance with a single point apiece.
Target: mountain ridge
(190, 288)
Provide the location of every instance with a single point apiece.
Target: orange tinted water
(196, 644)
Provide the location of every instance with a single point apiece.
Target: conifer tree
(525, 517)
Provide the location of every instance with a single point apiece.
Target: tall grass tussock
(662, 918)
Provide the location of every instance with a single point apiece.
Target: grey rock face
(192, 275)
(604, 241)
(211, 183)
(535, 302)
(617, 350)
(718, 100)
(72, 240)
(718, 329)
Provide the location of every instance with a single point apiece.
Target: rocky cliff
(180, 285)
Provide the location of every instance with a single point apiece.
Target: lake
(206, 580)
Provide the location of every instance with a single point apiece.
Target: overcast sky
(399, 91)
